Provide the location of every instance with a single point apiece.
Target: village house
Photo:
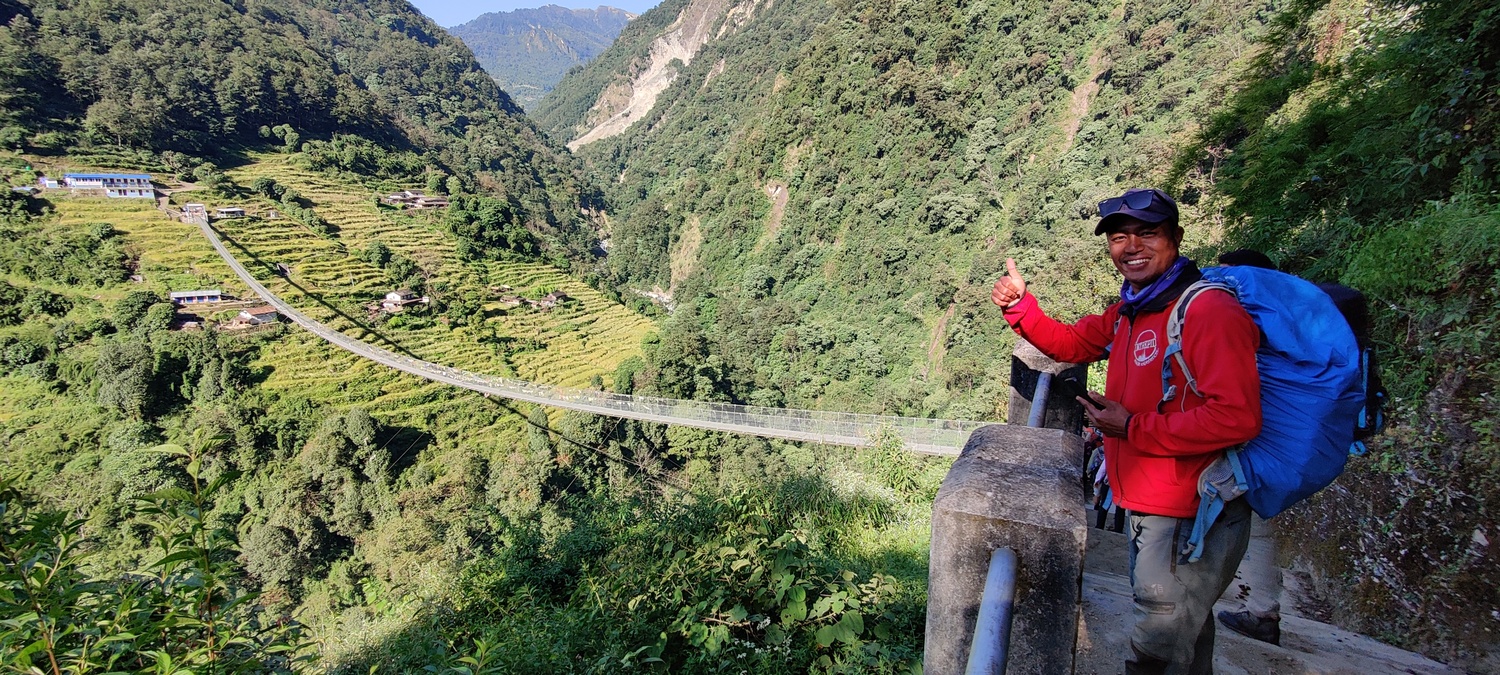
(126, 185)
(403, 198)
(229, 212)
(552, 299)
(48, 183)
(196, 297)
(413, 199)
(548, 301)
(256, 316)
(395, 301)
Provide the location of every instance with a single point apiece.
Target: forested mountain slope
(528, 50)
(582, 88)
(826, 191)
(342, 488)
(195, 76)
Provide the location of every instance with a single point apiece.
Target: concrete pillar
(1018, 487)
(1026, 364)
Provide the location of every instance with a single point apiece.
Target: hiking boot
(1253, 627)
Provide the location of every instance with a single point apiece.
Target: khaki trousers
(1174, 599)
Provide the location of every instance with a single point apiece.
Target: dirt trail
(1307, 645)
(684, 258)
(1081, 97)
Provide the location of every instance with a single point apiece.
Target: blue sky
(449, 13)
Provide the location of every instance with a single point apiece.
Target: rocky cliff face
(632, 94)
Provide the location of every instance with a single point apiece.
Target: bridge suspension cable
(929, 436)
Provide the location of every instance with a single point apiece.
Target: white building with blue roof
(128, 185)
(196, 297)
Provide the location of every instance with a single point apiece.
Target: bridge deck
(929, 436)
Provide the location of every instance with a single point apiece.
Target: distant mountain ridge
(527, 51)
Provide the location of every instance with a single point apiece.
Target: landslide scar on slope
(937, 345)
(776, 192)
(628, 99)
(684, 257)
(1084, 94)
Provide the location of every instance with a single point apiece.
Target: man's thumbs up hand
(1010, 288)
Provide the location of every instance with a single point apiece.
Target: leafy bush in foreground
(186, 613)
(765, 579)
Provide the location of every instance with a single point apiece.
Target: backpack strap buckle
(1222, 482)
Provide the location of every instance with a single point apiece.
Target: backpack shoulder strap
(1114, 331)
(1174, 338)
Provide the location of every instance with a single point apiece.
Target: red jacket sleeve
(1218, 341)
(1082, 342)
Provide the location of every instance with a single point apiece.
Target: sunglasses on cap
(1135, 199)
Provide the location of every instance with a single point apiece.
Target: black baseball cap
(1148, 205)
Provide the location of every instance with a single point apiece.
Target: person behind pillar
(1155, 449)
(1257, 584)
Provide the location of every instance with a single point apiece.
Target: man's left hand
(1112, 420)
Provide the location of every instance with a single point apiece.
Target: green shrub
(187, 611)
(137, 473)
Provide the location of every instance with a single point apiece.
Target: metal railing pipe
(1039, 400)
(991, 645)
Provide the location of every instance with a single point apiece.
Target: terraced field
(173, 256)
(580, 340)
(576, 341)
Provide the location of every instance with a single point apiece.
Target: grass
(172, 256)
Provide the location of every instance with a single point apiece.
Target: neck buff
(1134, 300)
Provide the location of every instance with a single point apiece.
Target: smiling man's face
(1143, 251)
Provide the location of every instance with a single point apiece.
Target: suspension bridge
(918, 434)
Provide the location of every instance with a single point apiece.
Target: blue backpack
(1312, 393)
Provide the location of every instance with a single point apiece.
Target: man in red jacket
(1159, 439)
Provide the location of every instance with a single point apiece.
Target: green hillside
(826, 192)
(811, 197)
(396, 95)
(569, 346)
(1362, 147)
(571, 99)
(253, 499)
(78, 437)
(386, 520)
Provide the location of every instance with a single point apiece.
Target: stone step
(1307, 645)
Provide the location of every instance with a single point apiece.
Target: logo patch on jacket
(1145, 347)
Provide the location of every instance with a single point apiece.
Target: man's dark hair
(1248, 258)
